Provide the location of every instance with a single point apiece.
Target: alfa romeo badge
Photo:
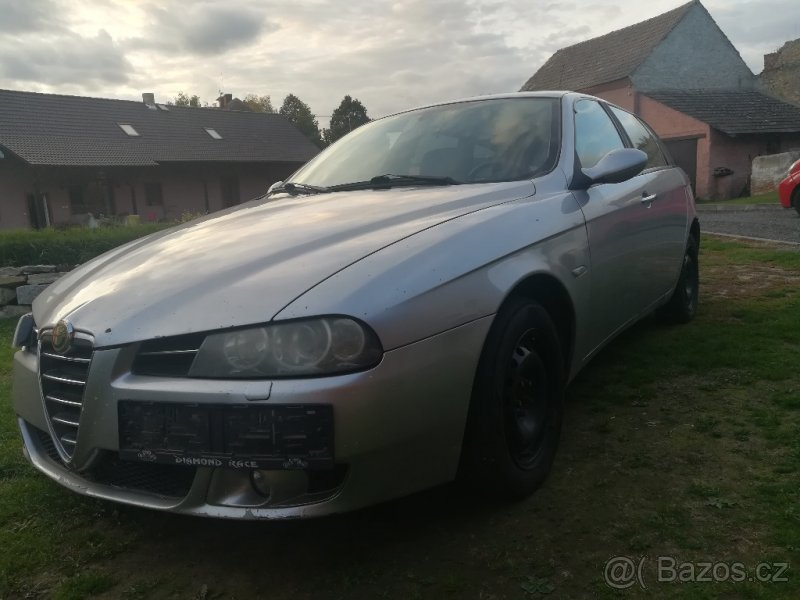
(62, 336)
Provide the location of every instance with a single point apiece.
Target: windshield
(504, 139)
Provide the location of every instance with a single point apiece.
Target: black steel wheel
(517, 403)
(525, 401)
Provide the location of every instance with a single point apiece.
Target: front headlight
(301, 348)
(25, 333)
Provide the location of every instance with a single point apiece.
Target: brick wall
(618, 92)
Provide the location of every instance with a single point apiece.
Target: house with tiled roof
(64, 157)
(681, 73)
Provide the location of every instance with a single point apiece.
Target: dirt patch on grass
(746, 280)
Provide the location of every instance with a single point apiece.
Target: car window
(641, 137)
(595, 133)
(505, 139)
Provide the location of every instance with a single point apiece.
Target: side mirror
(274, 185)
(615, 167)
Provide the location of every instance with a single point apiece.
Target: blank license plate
(231, 436)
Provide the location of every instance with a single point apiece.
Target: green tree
(183, 99)
(299, 114)
(262, 104)
(349, 115)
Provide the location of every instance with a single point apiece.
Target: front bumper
(398, 429)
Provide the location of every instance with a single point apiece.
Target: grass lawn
(678, 441)
(768, 198)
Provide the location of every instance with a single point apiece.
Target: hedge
(66, 246)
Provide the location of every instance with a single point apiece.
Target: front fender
(457, 272)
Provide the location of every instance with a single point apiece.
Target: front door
(625, 226)
(38, 210)
(229, 186)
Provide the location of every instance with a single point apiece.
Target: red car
(789, 188)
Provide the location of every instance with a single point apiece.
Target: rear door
(666, 216)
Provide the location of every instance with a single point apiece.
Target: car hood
(244, 265)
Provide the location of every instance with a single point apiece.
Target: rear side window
(595, 133)
(641, 137)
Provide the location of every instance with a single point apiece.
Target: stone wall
(782, 72)
(20, 285)
(768, 171)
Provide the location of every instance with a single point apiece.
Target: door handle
(648, 199)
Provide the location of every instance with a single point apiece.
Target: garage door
(684, 153)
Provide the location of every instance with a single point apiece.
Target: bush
(66, 246)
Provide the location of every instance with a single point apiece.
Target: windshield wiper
(391, 180)
(299, 188)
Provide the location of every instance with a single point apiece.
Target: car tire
(682, 306)
(516, 408)
(796, 199)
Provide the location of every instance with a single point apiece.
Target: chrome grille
(63, 380)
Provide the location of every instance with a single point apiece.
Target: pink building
(680, 73)
(63, 157)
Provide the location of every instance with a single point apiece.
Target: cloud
(201, 28)
(64, 59)
(22, 17)
(390, 54)
(757, 27)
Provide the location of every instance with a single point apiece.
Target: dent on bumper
(398, 427)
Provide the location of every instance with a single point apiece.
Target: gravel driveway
(772, 224)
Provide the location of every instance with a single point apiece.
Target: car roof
(541, 94)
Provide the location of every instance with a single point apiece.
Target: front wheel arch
(550, 293)
(516, 407)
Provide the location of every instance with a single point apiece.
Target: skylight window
(213, 133)
(128, 129)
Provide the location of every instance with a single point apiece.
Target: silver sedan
(404, 310)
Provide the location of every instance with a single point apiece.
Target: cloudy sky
(389, 54)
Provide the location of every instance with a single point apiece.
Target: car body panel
(404, 303)
(426, 268)
(788, 186)
(636, 246)
(397, 434)
(158, 286)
